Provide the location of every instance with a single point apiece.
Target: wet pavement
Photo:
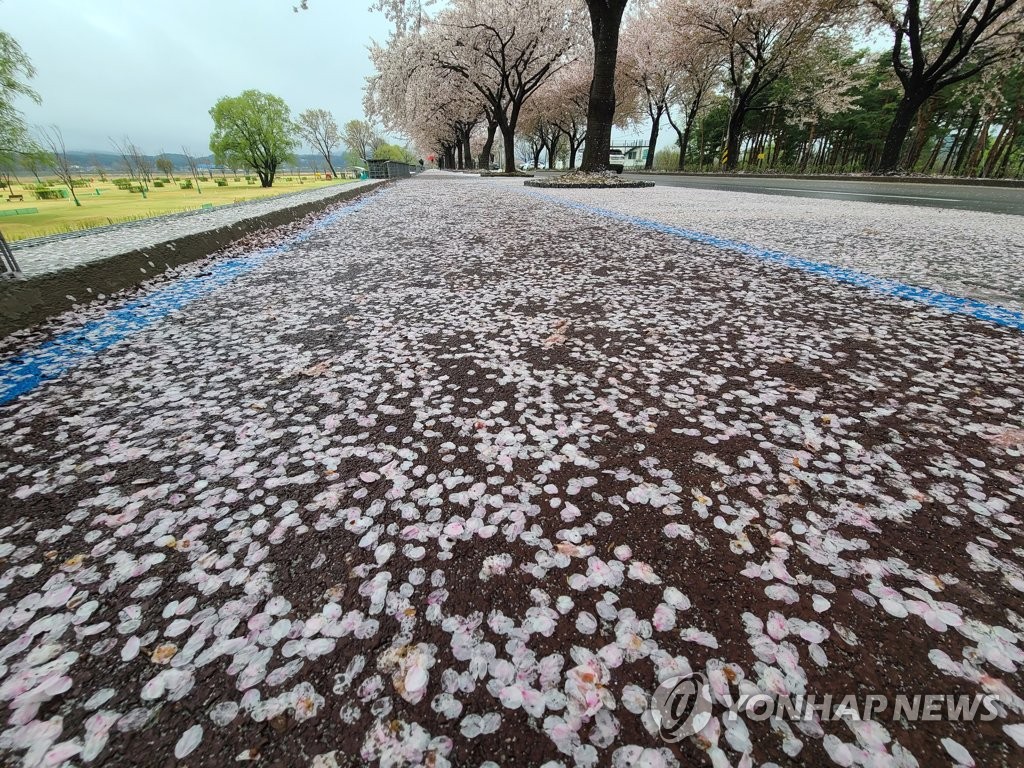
(464, 475)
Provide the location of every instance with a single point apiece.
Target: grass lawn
(114, 205)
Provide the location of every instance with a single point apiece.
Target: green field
(113, 205)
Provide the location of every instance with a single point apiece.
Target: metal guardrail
(389, 169)
(8, 265)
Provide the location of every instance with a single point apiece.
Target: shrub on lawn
(186, 184)
(158, 183)
(222, 182)
(46, 193)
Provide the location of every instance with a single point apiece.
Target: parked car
(616, 160)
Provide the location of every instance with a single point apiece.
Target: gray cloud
(151, 69)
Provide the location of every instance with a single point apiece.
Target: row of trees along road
(771, 83)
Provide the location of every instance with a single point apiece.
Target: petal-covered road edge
(460, 479)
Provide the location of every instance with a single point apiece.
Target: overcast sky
(151, 69)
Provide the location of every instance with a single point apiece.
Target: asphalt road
(954, 196)
(391, 487)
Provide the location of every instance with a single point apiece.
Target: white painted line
(864, 194)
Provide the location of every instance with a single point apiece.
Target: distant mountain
(111, 162)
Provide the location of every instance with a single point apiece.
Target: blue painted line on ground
(960, 305)
(48, 361)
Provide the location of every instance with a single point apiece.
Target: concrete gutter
(24, 302)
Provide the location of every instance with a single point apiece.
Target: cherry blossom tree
(474, 63)
(759, 40)
(429, 104)
(566, 98)
(699, 73)
(647, 64)
(605, 18)
(505, 50)
(938, 43)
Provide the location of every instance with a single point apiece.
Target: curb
(954, 182)
(542, 184)
(28, 301)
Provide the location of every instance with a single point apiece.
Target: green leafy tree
(394, 152)
(15, 72)
(255, 128)
(165, 165)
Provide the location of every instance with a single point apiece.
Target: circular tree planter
(581, 180)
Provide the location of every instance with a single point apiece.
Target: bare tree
(143, 165)
(136, 163)
(99, 169)
(319, 129)
(53, 140)
(193, 167)
(361, 138)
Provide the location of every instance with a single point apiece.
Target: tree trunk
(467, 151)
(459, 165)
(652, 142)
(485, 154)
(732, 147)
(1004, 166)
(979, 149)
(965, 145)
(902, 121)
(684, 142)
(997, 149)
(936, 150)
(681, 159)
(924, 116)
(605, 21)
(574, 148)
(553, 151)
(951, 152)
(509, 138)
